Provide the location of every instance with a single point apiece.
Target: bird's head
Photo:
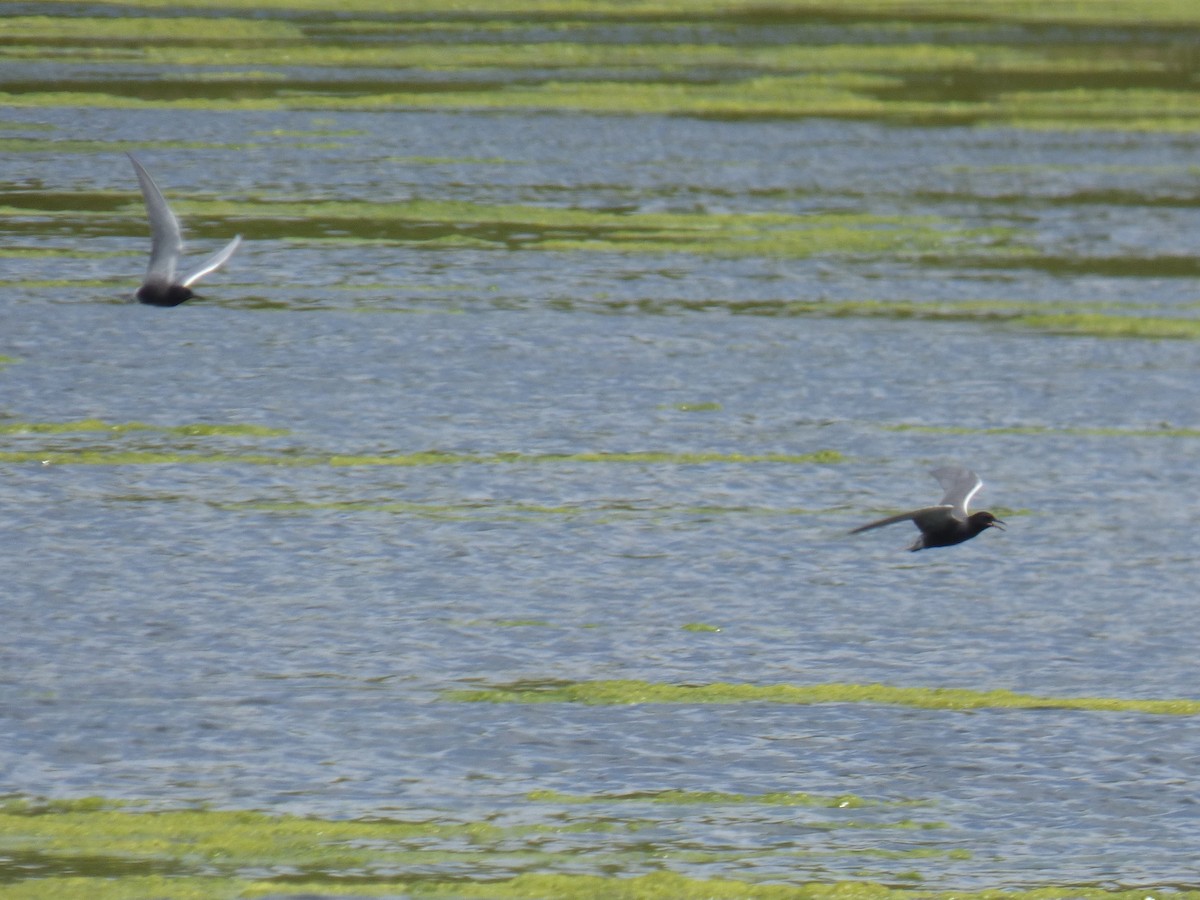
(982, 520)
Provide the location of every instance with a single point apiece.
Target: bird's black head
(981, 520)
(163, 295)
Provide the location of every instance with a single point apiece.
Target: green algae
(635, 692)
(690, 458)
(709, 406)
(125, 887)
(143, 458)
(492, 510)
(1083, 319)
(96, 848)
(662, 885)
(519, 623)
(896, 62)
(451, 160)
(667, 885)
(1063, 12)
(51, 144)
(19, 805)
(700, 627)
(93, 425)
(949, 311)
(284, 48)
(1163, 431)
(1094, 325)
(507, 511)
(529, 227)
(107, 30)
(575, 229)
(97, 827)
(45, 284)
(638, 457)
(101, 838)
(233, 838)
(845, 95)
(54, 253)
(89, 456)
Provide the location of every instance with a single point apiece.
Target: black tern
(948, 523)
(160, 286)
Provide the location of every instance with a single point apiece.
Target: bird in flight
(949, 522)
(160, 287)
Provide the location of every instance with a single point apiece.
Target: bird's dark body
(163, 294)
(951, 532)
(162, 286)
(949, 522)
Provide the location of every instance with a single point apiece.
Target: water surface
(500, 395)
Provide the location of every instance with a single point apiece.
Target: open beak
(996, 523)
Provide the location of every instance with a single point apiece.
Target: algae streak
(1164, 431)
(1056, 64)
(89, 456)
(94, 425)
(104, 850)
(634, 692)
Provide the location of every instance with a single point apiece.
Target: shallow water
(271, 619)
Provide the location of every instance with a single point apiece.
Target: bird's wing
(166, 242)
(960, 486)
(922, 518)
(215, 261)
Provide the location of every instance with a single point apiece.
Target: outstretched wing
(922, 518)
(214, 262)
(960, 486)
(166, 241)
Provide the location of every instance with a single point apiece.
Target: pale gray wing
(960, 486)
(214, 262)
(922, 518)
(166, 241)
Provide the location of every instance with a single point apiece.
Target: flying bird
(949, 522)
(160, 286)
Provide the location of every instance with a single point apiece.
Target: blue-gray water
(279, 637)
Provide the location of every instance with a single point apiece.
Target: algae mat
(314, 79)
(1056, 64)
(100, 849)
(626, 692)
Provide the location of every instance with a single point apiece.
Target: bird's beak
(996, 523)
